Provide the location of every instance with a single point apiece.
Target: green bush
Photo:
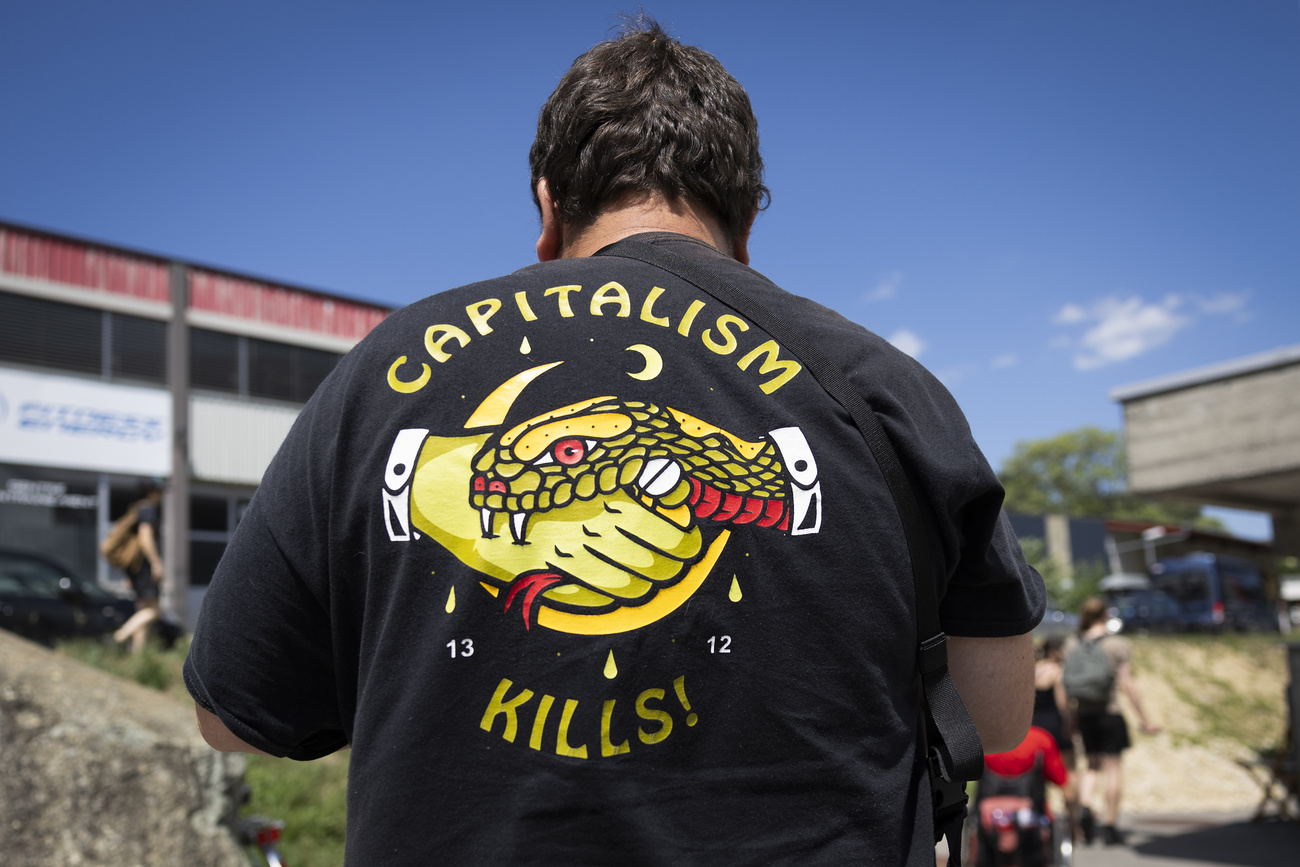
(1065, 594)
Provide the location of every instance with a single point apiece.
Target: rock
(97, 770)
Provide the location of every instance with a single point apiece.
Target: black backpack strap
(955, 753)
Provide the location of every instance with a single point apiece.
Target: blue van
(1217, 592)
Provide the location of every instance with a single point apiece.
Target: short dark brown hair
(645, 114)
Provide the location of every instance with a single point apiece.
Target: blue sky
(1040, 201)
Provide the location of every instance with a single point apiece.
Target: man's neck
(646, 215)
(633, 216)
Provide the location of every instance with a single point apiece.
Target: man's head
(644, 115)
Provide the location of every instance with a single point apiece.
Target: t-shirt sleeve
(1119, 649)
(147, 514)
(262, 655)
(987, 590)
(993, 593)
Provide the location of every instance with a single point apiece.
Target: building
(1224, 435)
(118, 366)
(1121, 547)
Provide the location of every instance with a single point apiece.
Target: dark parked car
(43, 601)
(1217, 592)
(1149, 610)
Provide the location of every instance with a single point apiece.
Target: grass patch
(152, 667)
(1230, 687)
(309, 797)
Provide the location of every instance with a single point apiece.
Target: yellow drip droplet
(611, 670)
(524, 347)
(451, 600)
(734, 594)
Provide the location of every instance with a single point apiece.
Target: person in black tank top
(1052, 711)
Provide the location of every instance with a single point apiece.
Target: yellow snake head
(678, 465)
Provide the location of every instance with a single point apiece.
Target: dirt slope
(1218, 699)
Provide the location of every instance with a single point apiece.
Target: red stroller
(1011, 824)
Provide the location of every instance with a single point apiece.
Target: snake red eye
(570, 451)
(479, 483)
(496, 486)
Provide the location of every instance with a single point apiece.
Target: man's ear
(740, 246)
(551, 242)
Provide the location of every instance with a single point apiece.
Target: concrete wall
(1243, 427)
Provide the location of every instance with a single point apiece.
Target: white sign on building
(60, 421)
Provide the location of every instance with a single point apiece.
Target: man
(586, 569)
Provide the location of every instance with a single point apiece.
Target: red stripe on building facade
(58, 260)
(279, 305)
(76, 263)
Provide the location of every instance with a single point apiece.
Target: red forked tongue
(532, 584)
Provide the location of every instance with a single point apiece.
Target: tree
(1084, 473)
(1065, 593)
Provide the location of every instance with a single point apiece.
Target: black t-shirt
(587, 569)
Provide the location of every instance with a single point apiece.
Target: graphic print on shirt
(588, 517)
(587, 513)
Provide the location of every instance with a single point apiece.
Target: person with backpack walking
(145, 569)
(1097, 666)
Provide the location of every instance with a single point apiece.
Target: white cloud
(1070, 314)
(1118, 328)
(954, 376)
(1122, 328)
(886, 286)
(1227, 304)
(1223, 302)
(907, 342)
(1006, 360)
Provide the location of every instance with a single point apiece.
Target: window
(50, 334)
(213, 518)
(204, 557)
(208, 513)
(1242, 585)
(67, 337)
(286, 372)
(43, 333)
(139, 348)
(1191, 586)
(314, 367)
(214, 360)
(272, 369)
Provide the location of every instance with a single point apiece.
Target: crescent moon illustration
(654, 362)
